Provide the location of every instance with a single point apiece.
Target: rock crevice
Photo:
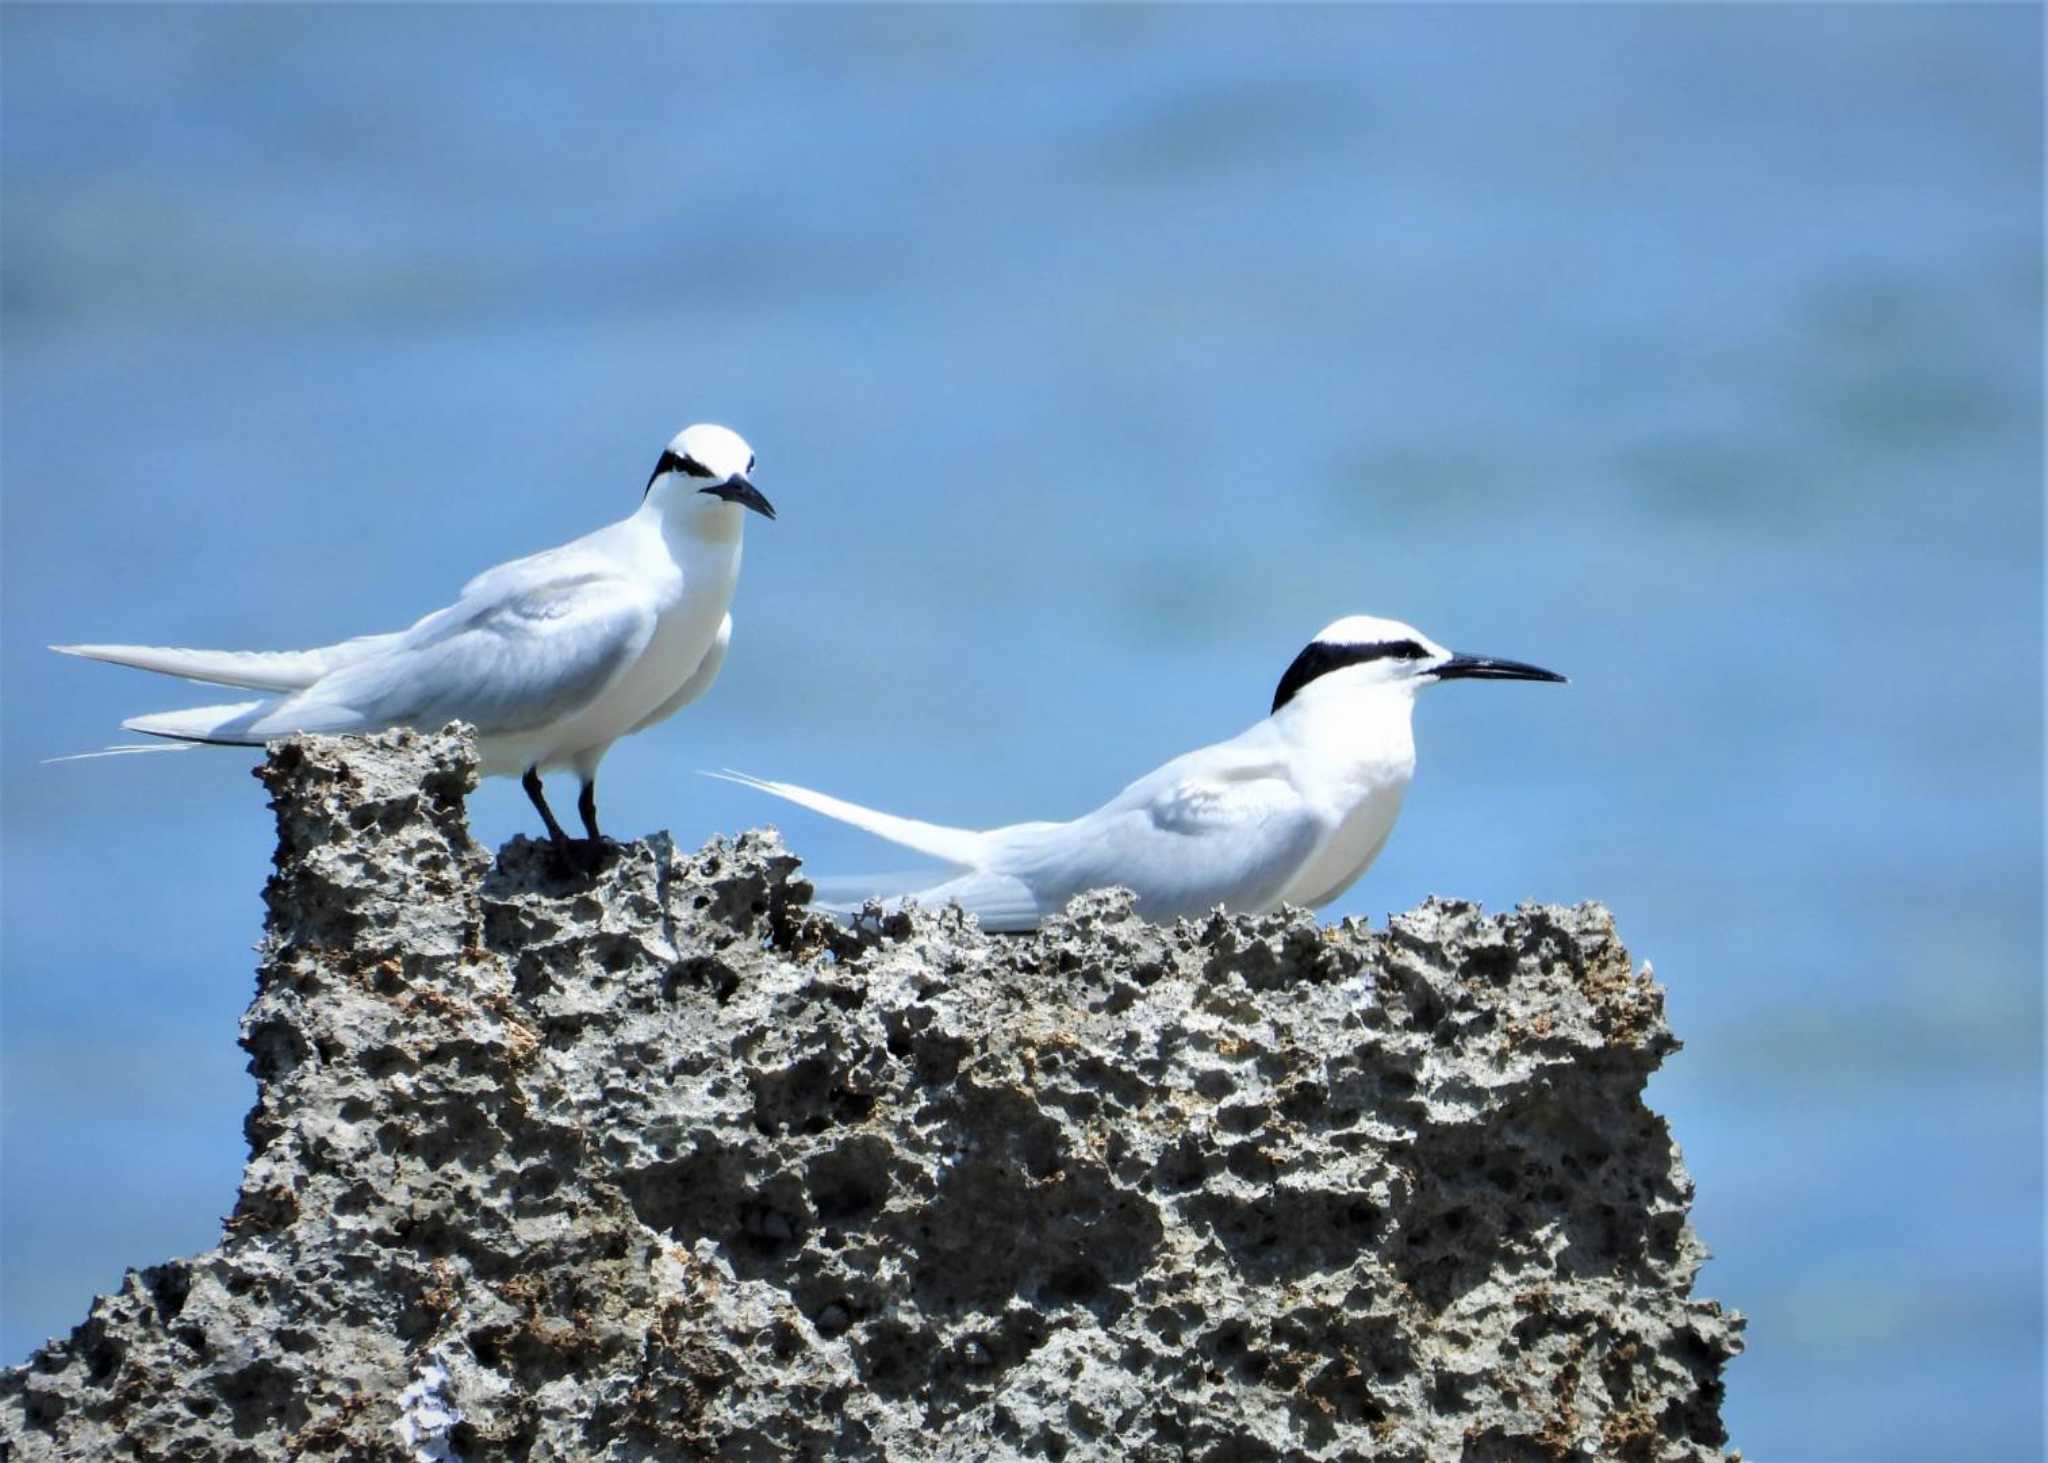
(654, 1163)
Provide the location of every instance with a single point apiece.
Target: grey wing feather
(1234, 844)
(510, 664)
(1223, 825)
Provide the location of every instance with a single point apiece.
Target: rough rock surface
(652, 1163)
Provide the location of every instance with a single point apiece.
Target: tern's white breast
(1354, 758)
(691, 598)
(1351, 849)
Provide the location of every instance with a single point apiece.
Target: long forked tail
(253, 670)
(122, 749)
(960, 846)
(1003, 902)
(222, 726)
(281, 671)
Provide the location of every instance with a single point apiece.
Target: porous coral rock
(653, 1163)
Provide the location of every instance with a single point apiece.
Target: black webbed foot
(580, 858)
(571, 858)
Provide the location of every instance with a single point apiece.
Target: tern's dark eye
(750, 462)
(694, 468)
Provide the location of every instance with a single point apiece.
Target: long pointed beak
(1492, 668)
(736, 489)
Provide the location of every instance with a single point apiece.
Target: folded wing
(1220, 826)
(506, 662)
(1192, 843)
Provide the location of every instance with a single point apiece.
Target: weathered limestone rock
(655, 1164)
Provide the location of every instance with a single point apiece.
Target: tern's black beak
(1491, 668)
(736, 489)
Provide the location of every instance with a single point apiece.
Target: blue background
(1096, 358)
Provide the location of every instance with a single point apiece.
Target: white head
(1363, 652)
(708, 459)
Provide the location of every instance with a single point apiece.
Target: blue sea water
(1095, 358)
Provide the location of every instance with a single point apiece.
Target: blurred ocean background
(1095, 358)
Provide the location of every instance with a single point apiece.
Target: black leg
(531, 782)
(586, 804)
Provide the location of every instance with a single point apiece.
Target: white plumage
(1291, 810)
(552, 657)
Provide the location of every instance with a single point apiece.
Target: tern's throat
(700, 528)
(1367, 725)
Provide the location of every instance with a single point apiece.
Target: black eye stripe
(1320, 659)
(670, 462)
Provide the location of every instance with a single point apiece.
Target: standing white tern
(551, 658)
